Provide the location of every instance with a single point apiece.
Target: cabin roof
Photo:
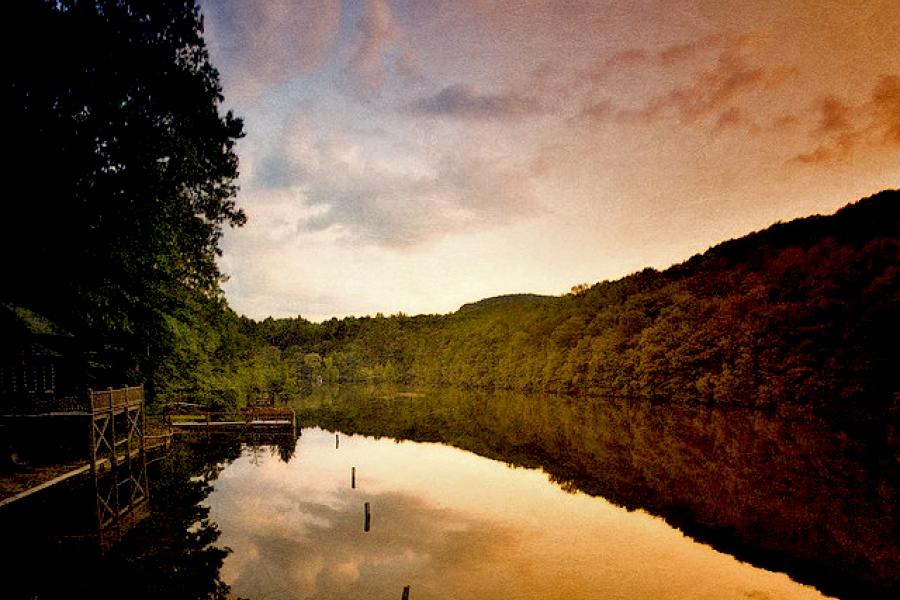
(26, 321)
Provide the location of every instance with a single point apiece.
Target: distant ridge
(505, 301)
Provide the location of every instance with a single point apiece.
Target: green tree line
(803, 312)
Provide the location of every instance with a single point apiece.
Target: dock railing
(111, 399)
(118, 461)
(254, 418)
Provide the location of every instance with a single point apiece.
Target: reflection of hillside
(792, 494)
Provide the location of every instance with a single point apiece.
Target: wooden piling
(337, 441)
(353, 477)
(368, 518)
(405, 593)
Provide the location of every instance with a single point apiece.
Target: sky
(413, 156)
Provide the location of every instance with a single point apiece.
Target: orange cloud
(710, 89)
(732, 117)
(842, 129)
(834, 116)
(886, 105)
(713, 91)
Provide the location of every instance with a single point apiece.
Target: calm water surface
(450, 524)
(492, 496)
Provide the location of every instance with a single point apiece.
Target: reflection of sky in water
(451, 525)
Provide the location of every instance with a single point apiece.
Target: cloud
(408, 66)
(834, 116)
(462, 102)
(785, 122)
(599, 111)
(729, 118)
(842, 129)
(403, 209)
(347, 186)
(379, 33)
(732, 82)
(709, 90)
(679, 53)
(705, 82)
(262, 43)
(886, 107)
(624, 59)
(818, 155)
(672, 55)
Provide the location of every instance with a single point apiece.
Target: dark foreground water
(490, 496)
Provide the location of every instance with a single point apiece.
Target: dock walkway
(248, 420)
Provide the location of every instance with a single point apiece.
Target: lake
(450, 524)
(476, 495)
(492, 495)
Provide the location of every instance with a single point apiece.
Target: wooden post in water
(337, 441)
(368, 518)
(405, 593)
(353, 477)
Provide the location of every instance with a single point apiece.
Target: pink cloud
(626, 59)
(599, 111)
(379, 33)
(679, 53)
(259, 44)
(730, 118)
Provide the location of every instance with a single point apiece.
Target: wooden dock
(113, 421)
(250, 420)
(39, 479)
(120, 449)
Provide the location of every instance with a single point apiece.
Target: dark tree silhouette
(122, 172)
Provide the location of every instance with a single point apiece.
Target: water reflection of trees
(797, 494)
(280, 445)
(171, 554)
(174, 555)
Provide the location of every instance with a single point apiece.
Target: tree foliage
(802, 312)
(123, 175)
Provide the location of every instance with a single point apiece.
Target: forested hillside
(803, 312)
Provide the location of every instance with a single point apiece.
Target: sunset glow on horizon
(415, 156)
